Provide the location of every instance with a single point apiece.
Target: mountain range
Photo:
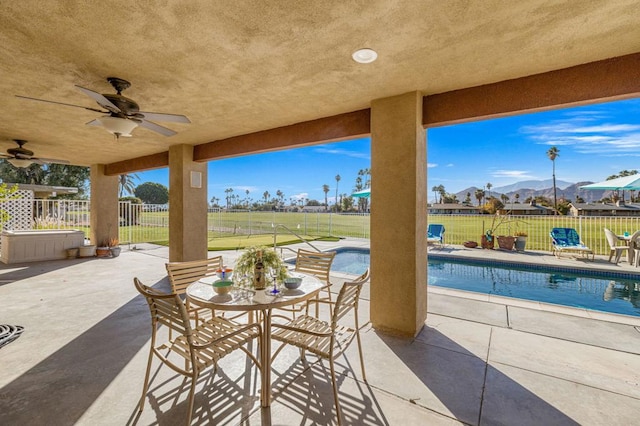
(534, 188)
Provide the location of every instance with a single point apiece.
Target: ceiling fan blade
(156, 128)
(49, 160)
(158, 116)
(93, 123)
(102, 101)
(62, 103)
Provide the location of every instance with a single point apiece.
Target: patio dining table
(202, 293)
(628, 239)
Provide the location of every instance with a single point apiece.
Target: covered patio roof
(240, 68)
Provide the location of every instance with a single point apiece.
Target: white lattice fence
(20, 211)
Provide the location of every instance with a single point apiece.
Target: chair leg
(192, 392)
(145, 386)
(335, 391)
(610, 254)
(364, 375)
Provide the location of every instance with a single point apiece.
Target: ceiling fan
(22, 157)
(123, 114)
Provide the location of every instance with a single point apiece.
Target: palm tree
(266, 196)
(325, 189)
(442, 192)
(479, 194)
(246, 200)
(489, 186)
(435, 192)
(504, 198)
(517, 197)
(126, 183)
(337, 182)
(553, 153)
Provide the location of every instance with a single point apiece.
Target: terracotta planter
(103, 252)
(485, 243)
(506, 242)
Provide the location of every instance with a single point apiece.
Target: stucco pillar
(104, 206)
(398, 215)
(187, 205)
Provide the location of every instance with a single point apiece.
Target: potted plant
(506, 242)
(103, 250)
(521, 240)
(246, 263)
(114, 248)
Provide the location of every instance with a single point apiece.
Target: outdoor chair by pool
(181, 274)
(616, 249)
(567, 240)
(327, 340)
(196, 348)
(435, 234)
(319, 265)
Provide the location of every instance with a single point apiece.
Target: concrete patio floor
(478, 361)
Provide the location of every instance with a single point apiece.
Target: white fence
(150, 223)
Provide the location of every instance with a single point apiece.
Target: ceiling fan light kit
(120, 127)
(20, 162)
(22, 157)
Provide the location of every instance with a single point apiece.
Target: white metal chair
(616, 249)
(327, 340)
(199, 348)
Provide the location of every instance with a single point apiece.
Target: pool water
(595, 291)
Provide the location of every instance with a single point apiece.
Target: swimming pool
(615, 292)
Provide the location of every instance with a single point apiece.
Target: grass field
(230, 229)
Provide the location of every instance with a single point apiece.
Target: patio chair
(435, 234)
(319, 265)
(181, 274)
(327, 340)
(199, 348)
(616, 249)
(634, 248)
(567, 240)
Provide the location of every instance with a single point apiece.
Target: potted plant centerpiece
(103, 249)
(260, 260)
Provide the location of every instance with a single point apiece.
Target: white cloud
(516, 174)
(343, 152)
(583, 132)
(300, 196)
(449, 165)
(431, 165)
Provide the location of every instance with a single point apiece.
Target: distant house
(531, 209)
(604, 209)
(452, 208)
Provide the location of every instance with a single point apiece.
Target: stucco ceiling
(236, 67)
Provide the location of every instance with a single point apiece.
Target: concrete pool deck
(82, 356)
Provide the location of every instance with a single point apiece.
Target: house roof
(451, 206)
(236, 68)
(525, 207)
(606, 206)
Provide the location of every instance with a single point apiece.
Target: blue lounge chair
(567, 240)
(435, 234)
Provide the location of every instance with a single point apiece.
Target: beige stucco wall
(187, 206)
(399, 215)
(104, 206)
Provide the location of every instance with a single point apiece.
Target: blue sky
(595, 141)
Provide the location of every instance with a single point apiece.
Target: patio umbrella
(365, 193)
(624, 183)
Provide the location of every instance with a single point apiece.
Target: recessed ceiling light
(364, 56)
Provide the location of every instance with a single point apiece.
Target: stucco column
(187, 205)
(104, 206)
(398, 215)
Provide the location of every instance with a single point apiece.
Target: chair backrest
(348, 298)
(635, 239)
(166, 309)
(315, 263)
(181, 274)
(435, 230)
(612, 239)
(565, 237)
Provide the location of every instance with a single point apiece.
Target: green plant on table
(246, 263)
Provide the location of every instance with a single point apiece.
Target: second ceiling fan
(123, 114)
